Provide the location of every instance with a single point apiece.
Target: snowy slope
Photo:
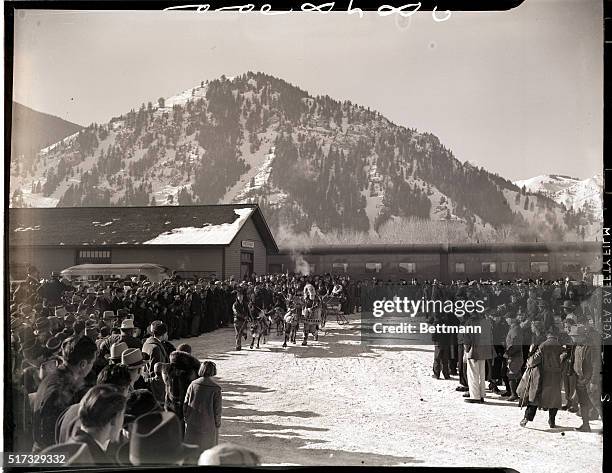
(571, 192)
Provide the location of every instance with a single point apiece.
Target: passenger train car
(444, 261)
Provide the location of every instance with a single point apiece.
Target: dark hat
(157, 439)
(54, 344)
(42, 324)
(140, 402)
(92, 332)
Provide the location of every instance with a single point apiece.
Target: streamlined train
(445, 262)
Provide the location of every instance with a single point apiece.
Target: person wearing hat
(585, 367)
(52, 291)
(101, 415)
(157, 439)
(569, 310)
(53, 346)
(132, 359)
(229, 454)
(202, 408)
(88, 304)
(115, 352)
(92, 332)
(126, 336)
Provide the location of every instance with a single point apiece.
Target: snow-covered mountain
(576, 194)
(309, 161)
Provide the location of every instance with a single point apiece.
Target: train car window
(407, 267)
(508, 267)
(275, 268)
(339, 267)
(489, 267)
(539, 266)
(373, 267)
(460, 267)
(570, 267)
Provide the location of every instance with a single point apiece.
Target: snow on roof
(221, 234)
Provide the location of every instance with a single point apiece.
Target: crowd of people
(95, 375)
(93, 364)
(537, 338)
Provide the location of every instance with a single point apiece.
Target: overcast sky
(518, 92)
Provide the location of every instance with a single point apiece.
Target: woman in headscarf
(202, 408)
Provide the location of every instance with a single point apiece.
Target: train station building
(207, 241)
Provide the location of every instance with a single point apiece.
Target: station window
(373, 267)
(93, 256)
(508, 267)
(246, 257)
(339, 267)
(539, 266)
(460, 267)
(407, 267)
(489, 267)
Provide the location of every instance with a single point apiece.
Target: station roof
(209, 225)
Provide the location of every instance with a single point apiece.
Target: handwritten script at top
(405, 11)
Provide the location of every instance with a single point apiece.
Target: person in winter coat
(60, 389)
(478, 348)
(154, 346)
(584, 362)
(202, 408)
(178, 374)
(541, 383)
(514, 354)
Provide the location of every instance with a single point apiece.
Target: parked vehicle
(92, 272)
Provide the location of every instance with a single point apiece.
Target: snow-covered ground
(338, 402)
